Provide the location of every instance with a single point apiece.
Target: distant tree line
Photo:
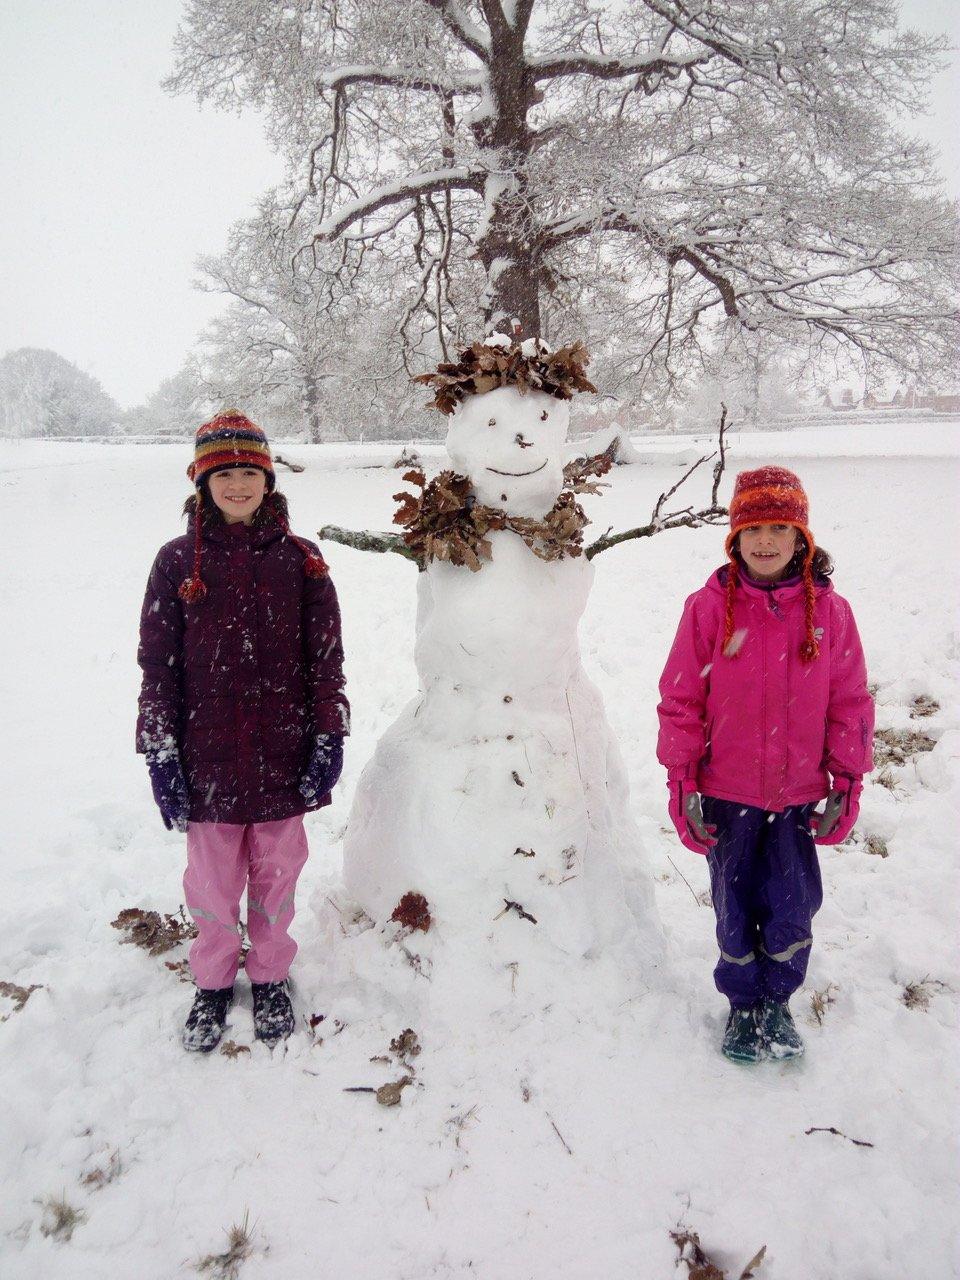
(44, 396)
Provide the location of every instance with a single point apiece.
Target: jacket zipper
(763, 708)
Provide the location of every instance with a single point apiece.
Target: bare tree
(177, 407)
(311, 340)
(280, 337)
(637, 173)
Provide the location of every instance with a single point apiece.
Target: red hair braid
(809, 649)
(733, 576)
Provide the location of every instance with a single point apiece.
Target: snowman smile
(519, 473)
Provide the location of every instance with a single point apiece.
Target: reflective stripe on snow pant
(223, 859)
(765, 882)
(789, 952)
(262, 910)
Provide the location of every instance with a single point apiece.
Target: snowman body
(499, 793)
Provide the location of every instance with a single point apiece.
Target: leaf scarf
(445, 521)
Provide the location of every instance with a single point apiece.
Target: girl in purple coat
(242, 717)
(764, 711)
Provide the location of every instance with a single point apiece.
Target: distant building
(911, 398)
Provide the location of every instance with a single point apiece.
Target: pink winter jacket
(764, 728)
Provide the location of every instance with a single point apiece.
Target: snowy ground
(565, 1147)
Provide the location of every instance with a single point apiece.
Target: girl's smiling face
(238, 492)
(767, 549)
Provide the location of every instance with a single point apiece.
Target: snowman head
(507, 401)
(510, 444)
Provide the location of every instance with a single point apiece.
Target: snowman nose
(524, 444)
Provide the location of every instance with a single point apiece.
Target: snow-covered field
(558, 1147)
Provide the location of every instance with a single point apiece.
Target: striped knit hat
(771, 495)
(230, 440)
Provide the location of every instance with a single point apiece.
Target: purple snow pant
(765, 882)
(223, 859)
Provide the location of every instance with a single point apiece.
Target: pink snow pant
(223, 859)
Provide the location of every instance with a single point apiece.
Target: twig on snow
(857, 1142)
(684, 879)
(515, 906)
(558, 1133)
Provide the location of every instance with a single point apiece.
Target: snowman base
(471, 985)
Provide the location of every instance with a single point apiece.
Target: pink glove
(687, 815)
(841, 811)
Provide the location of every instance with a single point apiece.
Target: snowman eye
(492, 422)
(544, 416)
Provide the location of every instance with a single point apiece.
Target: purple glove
(841, 811)
(687, 815)
(324, 768)
(170, 790)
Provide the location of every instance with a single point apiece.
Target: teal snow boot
(742, 1041)
(780, 1035)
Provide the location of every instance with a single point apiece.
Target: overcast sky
(111, 188)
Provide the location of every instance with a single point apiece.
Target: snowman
(497, 803)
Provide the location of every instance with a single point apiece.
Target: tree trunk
(507, 245)
(311, 410)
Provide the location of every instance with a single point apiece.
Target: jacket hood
(718, 582)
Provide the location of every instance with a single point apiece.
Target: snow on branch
(650, 70)
(591, 221)
(459, 23)
(400, 78)
(686, 516)
(418, 184)
(705, 28)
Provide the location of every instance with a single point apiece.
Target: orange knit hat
(771, 495)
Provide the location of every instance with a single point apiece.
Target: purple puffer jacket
(764, 728)
(242, 680)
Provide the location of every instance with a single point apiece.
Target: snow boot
(780, 1035)
(272, 1012)
(206, 1019)
(742, 1040)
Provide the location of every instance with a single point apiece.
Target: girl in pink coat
(764, 711)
